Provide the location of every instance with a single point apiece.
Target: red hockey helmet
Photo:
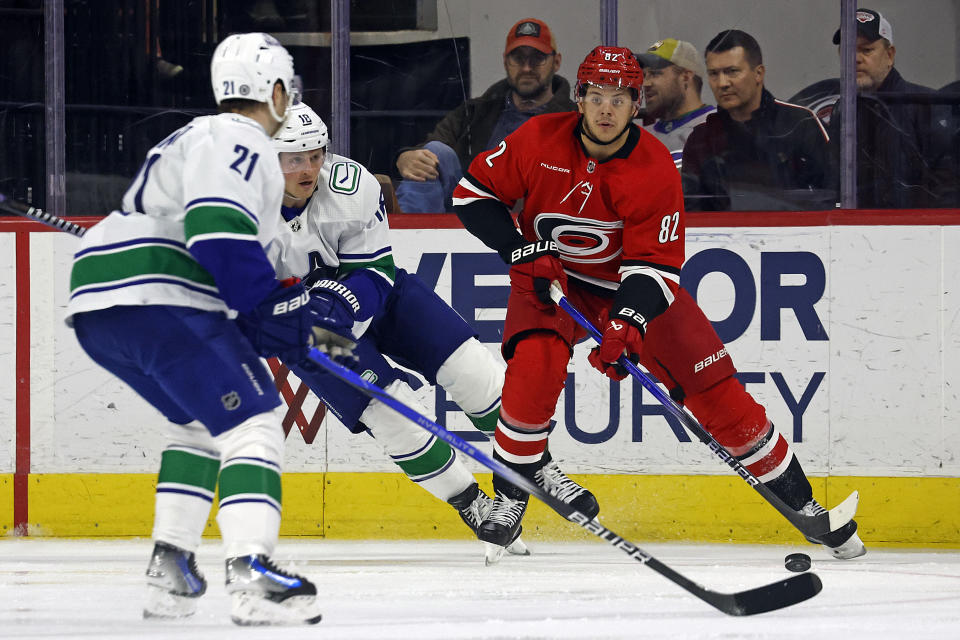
(610, 66)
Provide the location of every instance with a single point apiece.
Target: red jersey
(612, 219)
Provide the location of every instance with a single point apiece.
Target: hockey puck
(797, 562)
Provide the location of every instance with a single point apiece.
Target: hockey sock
(740, 424)
(792, 485)
(487, 423)
(425, 459)
(730, 414)
(473, 377)
(507, 488)
(249, 485)
(185, 486)
(521, 449)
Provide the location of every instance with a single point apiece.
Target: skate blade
(163, 605)
(518, 548)
(493, 553)
(251, 609)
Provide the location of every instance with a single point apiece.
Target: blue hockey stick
(811, 526)
(777, 595)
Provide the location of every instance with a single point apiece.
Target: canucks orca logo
(580, 240)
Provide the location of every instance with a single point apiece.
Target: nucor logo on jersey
(709, 360)
(553, 168)
(291, 305)
(580, 240)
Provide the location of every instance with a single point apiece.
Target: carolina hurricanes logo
(580, 240)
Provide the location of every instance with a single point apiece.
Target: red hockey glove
(533, 267)
(623, 335)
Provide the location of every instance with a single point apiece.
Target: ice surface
(424, 590)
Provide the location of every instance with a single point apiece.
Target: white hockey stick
(811, 526)
(777, 595)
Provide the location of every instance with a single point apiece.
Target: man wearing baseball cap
(673, 75)
(431, 170)
(896, 139)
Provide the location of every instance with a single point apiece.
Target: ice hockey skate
(174, 583)
(501, 525)
(844, 543)
(555, 482)
(264, 594)
(473, 505)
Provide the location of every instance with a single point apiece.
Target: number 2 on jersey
(243, 152)
(668, 228)
(499, 152)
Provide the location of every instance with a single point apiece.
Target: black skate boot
(555, 482)
(844, 543)
(473, 505)
(174, 583)
(502, 523)
(265, 594)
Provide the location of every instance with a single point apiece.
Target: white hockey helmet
(303, 130)
(247, 65)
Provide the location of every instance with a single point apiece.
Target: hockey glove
(533, 267)
(280, 324)
(335, 309)
(623, 335)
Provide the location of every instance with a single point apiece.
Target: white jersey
(674, 133)
(343, 227)
(216, 179)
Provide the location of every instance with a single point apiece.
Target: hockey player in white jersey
(336, 211)
(152, 287)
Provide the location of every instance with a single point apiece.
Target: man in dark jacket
(755, 152)
(899, 129)
(431, 170)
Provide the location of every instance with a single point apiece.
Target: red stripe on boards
(21, 473)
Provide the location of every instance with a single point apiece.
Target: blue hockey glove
(280, 325)
(336, 309)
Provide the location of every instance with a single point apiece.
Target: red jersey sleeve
(497, 173)
(654, 228)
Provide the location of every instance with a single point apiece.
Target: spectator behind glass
(672, 82)
(898, 135)
(431, 170)
(755, 152)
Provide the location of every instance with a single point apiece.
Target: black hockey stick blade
(26, 211)
(810, 525)
(768, 598)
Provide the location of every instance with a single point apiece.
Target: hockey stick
(811, 526)
(777, 595)
(26, 211)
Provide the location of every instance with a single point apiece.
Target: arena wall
(847, 327)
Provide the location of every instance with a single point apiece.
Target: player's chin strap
(814, 526)
(777, 595)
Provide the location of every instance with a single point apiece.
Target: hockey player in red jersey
(603, 216)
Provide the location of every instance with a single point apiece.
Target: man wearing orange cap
(431, 170)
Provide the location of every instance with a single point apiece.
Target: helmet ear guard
(610, 66)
